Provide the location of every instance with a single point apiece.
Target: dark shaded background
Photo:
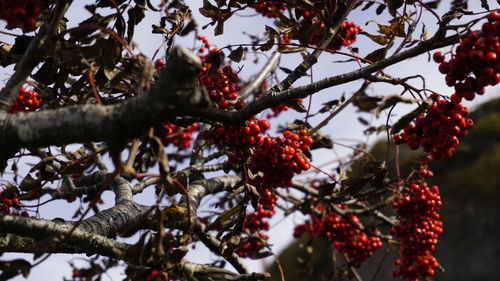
(469, 248)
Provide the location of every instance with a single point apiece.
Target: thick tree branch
(200, 188)
(172, 95)
(41, 230)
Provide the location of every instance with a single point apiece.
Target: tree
(98, 115)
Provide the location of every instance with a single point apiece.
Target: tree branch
(308, 62)
(172, 95)
(41, 229)
(273, 99)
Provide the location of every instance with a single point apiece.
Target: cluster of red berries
(476, 62)
(21, 13)
(252, 244)
(438, 129)
(257, 221)
(279, 159)
(237, 138)
(346, 35)
(26, 101)
(274, 163)
(266, 7)
(177, 135)
(221, 83)
(8, 201)
(418, 230)
(342, 235)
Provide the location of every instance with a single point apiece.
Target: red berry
(438, 57)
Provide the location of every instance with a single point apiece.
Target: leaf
(377, 55)
(321, 142)
(219, 28)
(208, 10)
(393, 5)
(286, 70)
(191, 26)
(215, 59)
(406, 119)
(11, 268)
(75, 167)
(363, 121)
(395, 29)
(457, 4)
(484, 4)
(379, 39)
(135, 16)
(389, 101)
(29, 183)
(268, 45)
(380, 9)
(365, 102)
(326, 189)
(367, 6)
(225, 218)
(327, 106)
(285, 22)
(295, 105)
(47, 74)
(433, 4)
(236, 55)
(272, 31)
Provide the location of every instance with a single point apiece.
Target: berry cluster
(177, 136)
(221, 82)
(280, 158)
(418, 231)
(476, 62)
(21, 13)
(8, 201)
(26, 101)
(252, 244)
(438, 129)
(275, 162)
(344, 237)
(266, 7)
(345, 37)
(237, 138)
